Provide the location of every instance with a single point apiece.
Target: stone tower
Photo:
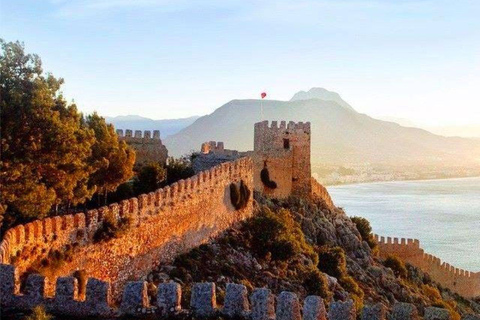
(148, 148)
(285, 152)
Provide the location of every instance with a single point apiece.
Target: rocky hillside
(303, 246)
(340, 135)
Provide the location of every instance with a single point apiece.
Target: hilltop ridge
(340, 135)
(321, 94)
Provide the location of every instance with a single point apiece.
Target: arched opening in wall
(286, 144)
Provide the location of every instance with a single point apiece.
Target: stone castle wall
(463, 282)
(261, 305)
(322, 192)
(148, 148)
(167, 222)
(285, 150)
(280, 169)
(217, 148)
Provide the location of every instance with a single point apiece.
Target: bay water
(443, 214)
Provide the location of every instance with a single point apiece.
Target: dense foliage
(332, 261)
(52, 158)
(111, 158)
(397, 266)
(365, 230)
(178, 169)
(150, 178)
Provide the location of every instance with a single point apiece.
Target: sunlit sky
(415, 59)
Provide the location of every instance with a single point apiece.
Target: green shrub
(365, 230)
(39, 313)
(282, 249)
(178, 169)
(265, 177)
(112, 228)
(150, 178)
(396, 265)
(278, 234)
(316, 284)
(351, 286)
(332, 261)
(450, 306)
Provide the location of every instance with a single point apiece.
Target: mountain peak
(322, 94)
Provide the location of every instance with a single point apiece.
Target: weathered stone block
(203, 301)
(375, 312)
(263, 304)
(169, 297)
(432, 313)
(66, 291)
(8, 283)
(134, 297)
(288, 307)
(35, 288)
(236, 300)
(314, 308)
(342, 311)
(404, 311)
(98, 297)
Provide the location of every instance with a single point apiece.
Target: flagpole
(261, 109)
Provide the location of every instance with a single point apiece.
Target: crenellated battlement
(284, 150)
(212, 146)
(412, 243)
(165, 223)
(138, 134)
(148, 148)
(462, 281)
(283, 126)
(260, 305)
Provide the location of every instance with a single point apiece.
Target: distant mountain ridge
(465, 131)
(340, 135)
(167, 127)
(322, 94)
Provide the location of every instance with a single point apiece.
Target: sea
(443, 214)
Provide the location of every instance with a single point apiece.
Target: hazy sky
(416, 59)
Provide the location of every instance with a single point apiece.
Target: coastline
(340, 184)
(442, 215)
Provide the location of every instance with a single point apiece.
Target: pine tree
(112, 158)
(44, 142)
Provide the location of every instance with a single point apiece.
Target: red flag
(263, 95)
